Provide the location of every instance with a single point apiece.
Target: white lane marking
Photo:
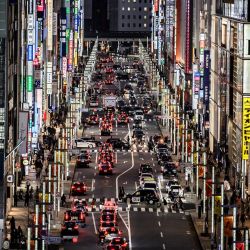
(94, 174)
(161, 234)
(117, 178)
(92, 185)
(93, 217)
(188, 232)
(116, 157)
(129, 232)
(157, 213)
(163, 246)
(135, 185)
(155, 171)
(96, 157)
(159, 223)
(159, 185)
(153, 164)
(152, 159)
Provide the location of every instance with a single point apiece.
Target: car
(105, 131)
(76, 215)
(138, 134)
(112, 233)
(148, 195)
(111, 217)
(145, 168)
(105, 225)
(176, 191)
(80, 204)
(105, 168)
(83, 160)
(117, 143)
(149, 184)
(120, 104)
(137, 124)
(78, 188)
(119, 242)
(169, 170)
(171, 182)
(138, 115)
(93, 119)
(80, 143)
(93, 102)
(144, 179)
(123, 118)
(132, 101)
(70, 230)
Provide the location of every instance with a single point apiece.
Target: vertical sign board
(196, 86)
(189, 22)
(63, 23)
(246, 128)
(71, 47)
(23, 131)
(50, 24)
(206, 78)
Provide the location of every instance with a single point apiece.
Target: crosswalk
(78, 151)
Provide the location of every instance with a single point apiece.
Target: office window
(145, 25)
(134, 9)
(145, 9)
(128, 16)
(139, 24)
(134, 25)
(134, 1)
(150, 25)
(128, 8)
(145, 17)
(134, 16)
(145, 1)
(128, 1)
(123, 16)
(139, 16)
(139, 1)
(123, 8)
(128, 24)
(139, 8)
(122, 24)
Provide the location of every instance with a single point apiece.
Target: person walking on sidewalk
(242, 219)
(27, 199)
(15, 199)
(12, 223)
(63, 200)
(199, 193)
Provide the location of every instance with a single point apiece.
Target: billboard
(245, 128)
(206, 78)
(50, 24)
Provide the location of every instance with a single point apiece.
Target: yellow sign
(246, 128)
(217, 205)
(195, 158)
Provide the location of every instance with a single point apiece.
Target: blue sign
(206, 78)
(30, 52)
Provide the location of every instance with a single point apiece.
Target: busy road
(123, 165)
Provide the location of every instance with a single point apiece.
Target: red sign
(156, 5)
(240, 246)
(209, 188)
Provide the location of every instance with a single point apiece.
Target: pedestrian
(243, 219)
(19, 233)
(180, 203)
(15, 199)
(12, 223)
(202, 205)
(26, 199)
(63, 200)
(123, 192)
(120, 193)
(199, 193)
(31, 193)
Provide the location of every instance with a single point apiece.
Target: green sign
(29, 83)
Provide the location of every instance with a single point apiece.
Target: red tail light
(76, 227)
(81, 216)
(75, 240)
(73, 187)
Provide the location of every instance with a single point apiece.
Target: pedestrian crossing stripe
(165, 210)
(118, 151)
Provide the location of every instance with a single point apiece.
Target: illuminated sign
(188, 36)
(29, 83)
(40, 5)
(71, 45)
(50, 24)
(206, 78)
(246, 128)
(30, 52)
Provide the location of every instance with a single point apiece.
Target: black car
(83, 160)
(143, 195)
(105, 132)
(164, 158)
(132, 101)
(137, 124)
(118, 143)
(145, 168)
(69, 230)
(169, 169)
(138, 134)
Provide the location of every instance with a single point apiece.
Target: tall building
(117, 16)
(230, 63)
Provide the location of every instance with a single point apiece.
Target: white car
(150, 184)
(171, 182)
(84, 144)
(142, 179)
(176, 191)
(138, 115)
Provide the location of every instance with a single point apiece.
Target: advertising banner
(201, 171)
(209, 187)
(217, 204)
(240, 246)
(206, 78)
(228, 225)
(50, 24)
(23, 131)
(246, 128)
(71, 47)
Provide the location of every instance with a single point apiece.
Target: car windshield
(70, 224)
(117, 241)
(105, 224)
(150, 185)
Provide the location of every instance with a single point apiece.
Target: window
(139, 24)
(139, 8)
(128, 1)
(134, 25)
(139, 16)
(145, 1)
(248, 47)
(145, 9)
(123, 16)
(134, 9)
(128, 24)
(122, 8)
(134, 1)
(134, 16)
(128, 8)
(128, 16)
(145, 17)
(145, 25)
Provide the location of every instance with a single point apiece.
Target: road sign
(10, 178)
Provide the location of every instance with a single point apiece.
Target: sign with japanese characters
(246, 128)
